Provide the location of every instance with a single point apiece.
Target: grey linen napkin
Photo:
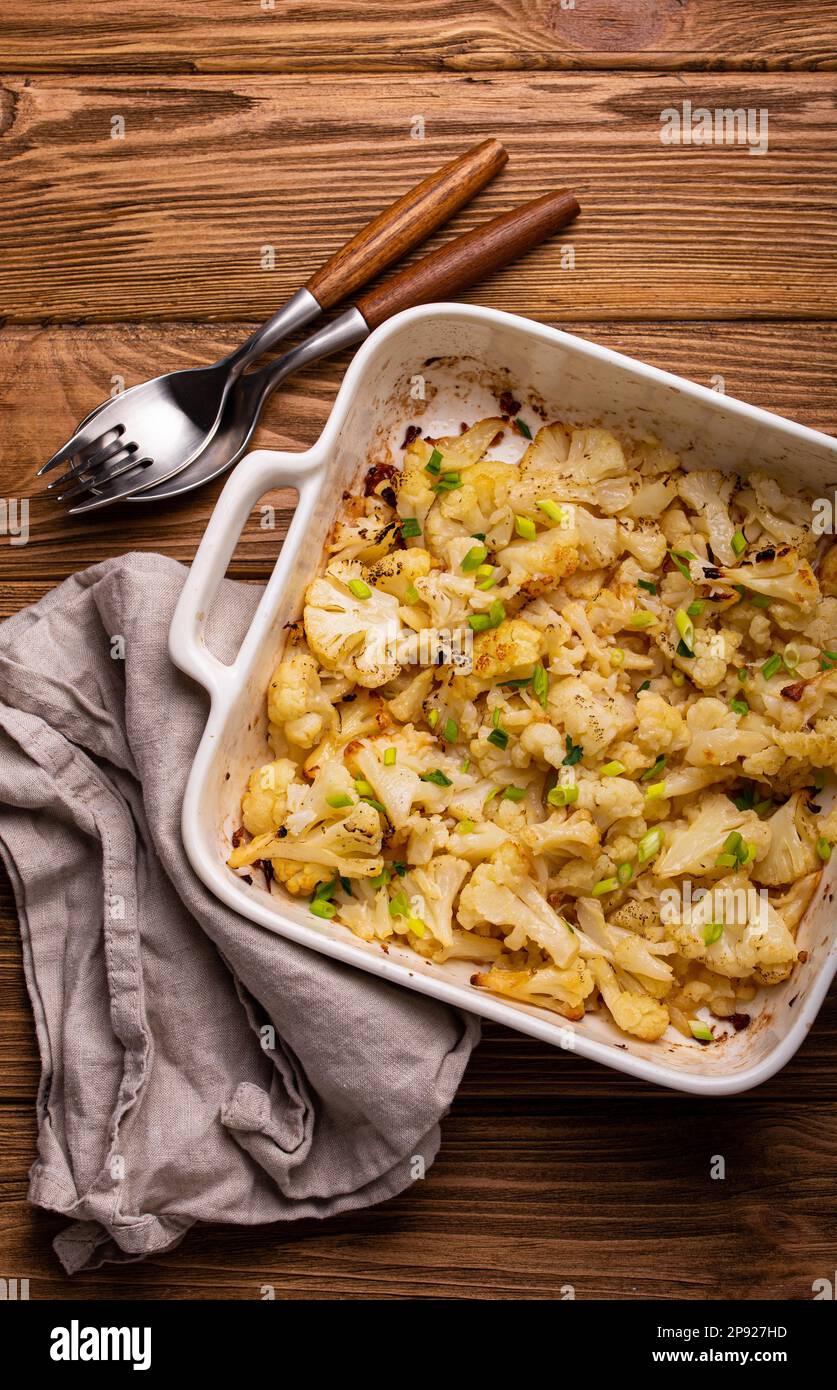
(162, 1102)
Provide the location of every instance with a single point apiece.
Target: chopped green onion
(649, 845)
(437, 777)
(791, 656)
(679, 557)
(562, 795)
(617, 656)
(338, 800)
(739, 543)
(614, 769)
(491, 795)
(513, 794)
(434, 463)
(540, 684)
(655, 791)
(346, 885)
(450, 731)
(762, 808)
(466, 826)
(739, 707)
(449, 482)
(481, 622)
(410, 526)
(552, 510)
(400, 869)
(695, 608)
(746, 853)
(484, 571)
(740, 590)
(656, 767)
(760, 600)
(575, 752)
(411, 594)
(625, 872)
(489, 581)
(417, 926)
(390, 755)
(605, 885)
(376, 805)
(495, 717)
(647, 585)
(726, 861)
(398, 904)
(516, 684)
(701, 1031)
(499, 738)
(682, 650)
(685, 627)
(771, 666)
(733, 842)
(477, 535)
(743, 675)
(678, 678)
(381, 879)
(320, 907)
(359, 588)
(832, 656)
(641, 617)
(433, 718)
(466, 764)
(823, 849)
(525, 528)
(324, 890)
(646, 685)
(473, 559)
(363, 788)
(524, 428)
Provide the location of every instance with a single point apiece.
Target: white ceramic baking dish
(459, 357)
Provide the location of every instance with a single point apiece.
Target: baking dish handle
(255, 475)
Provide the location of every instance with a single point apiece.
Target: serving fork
(152, 431)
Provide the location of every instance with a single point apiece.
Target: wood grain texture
(789, 368)
(217, 179)
(468, 259)
(406, 223)
(399, 36)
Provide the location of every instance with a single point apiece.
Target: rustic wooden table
(173, 171)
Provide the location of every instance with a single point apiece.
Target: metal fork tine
(94, 484)
(81, 442)
(93, 460)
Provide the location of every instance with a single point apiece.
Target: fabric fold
(195, 1067)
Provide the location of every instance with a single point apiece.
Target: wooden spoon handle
(466, 259)
(407, 223)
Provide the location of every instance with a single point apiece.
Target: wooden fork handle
(406, 223)
(461, 262)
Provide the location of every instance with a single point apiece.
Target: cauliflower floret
(754, 934)
(480, 505)
(574, 836)
(660, 727)
(407, 705)
(637, 1014)
(366, 911)
(367, 536)
(396, 572)
(817, 746)
(265, 802)
(509, 650)
(695, 846)
(828, 571)
(357, 636)
(296, 702)
(610, 799)
(427, 835)
(784, 575)
(538, 565)
(478, 844)
(351, 846)
(396, 787)
(502, 893)
(309, 804)
(413, 486)
(592, 717)
(716, 735)
(793, 851)
(562, 991)
(783, 518)
(431, 891)
(708, 492)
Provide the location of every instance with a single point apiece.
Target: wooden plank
(525, 1202)
(164, 223)
(458, 35)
